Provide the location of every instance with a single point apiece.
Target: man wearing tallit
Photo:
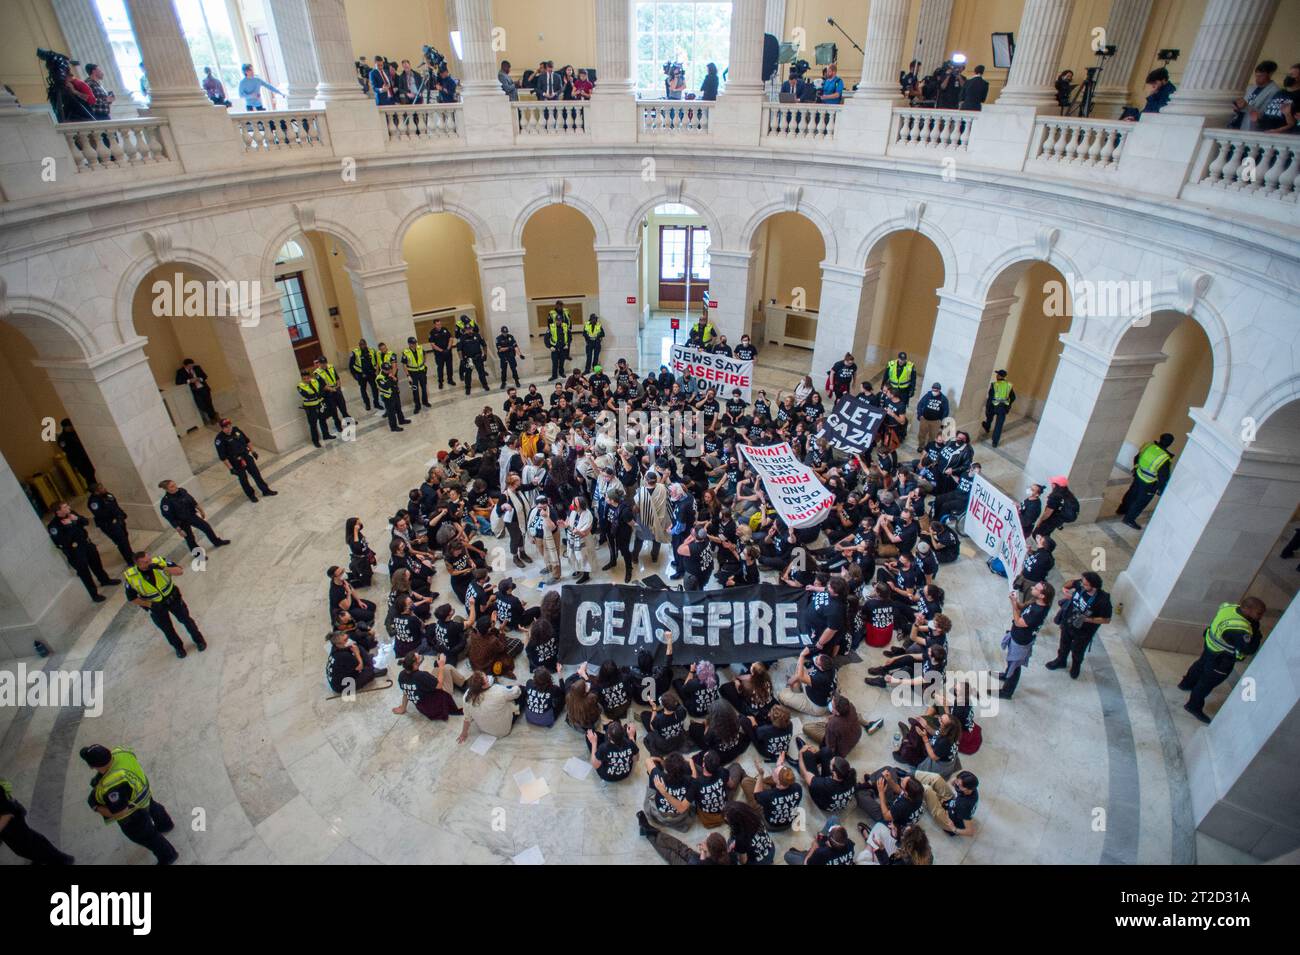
(653, 523)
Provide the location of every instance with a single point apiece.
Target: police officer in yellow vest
(593, 332)
(387, 357)
(701, 333)
(1151, 467)
(900, 375)
(313, 405)
(149, 584)
(1232, 635)
(417, 369)
(559, 333)
(364, 365)
(466, 326)
(336, 406)
(120, 793)
(1001, 396)
(388, 394)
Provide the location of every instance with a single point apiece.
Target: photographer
(948, 95)
(1064, 86)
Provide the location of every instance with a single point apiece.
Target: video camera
(57, 68)
(798, 68)
(432, 57)
(672, 67)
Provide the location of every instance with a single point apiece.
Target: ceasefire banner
(718, 371)
(794, 489)
(993, 523)
(852, 425)
(600, 622)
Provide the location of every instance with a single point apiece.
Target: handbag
(971, 741)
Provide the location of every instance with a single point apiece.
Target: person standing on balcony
(1248, 107)
(976, 91)
(709, 88)
(214, 89)
(832, 87)
(950, 87)
(446, 86)
(507, 83)
(103, 105)
(582, 86)
(383, 82)
(250, 90)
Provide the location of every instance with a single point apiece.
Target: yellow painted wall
(559, 254)
(336, 290)
(397, 28)
(1031, 345)
(27, 397)
(970, 31)
(442, 268)
(907, 299)
(535, 30)
(1180, 383)
(794, 254)
(28, 24)
(173, 339)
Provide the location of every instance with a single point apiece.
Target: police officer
(1151, 467)
(417, 369)
(466, 326)
(182, 512)
(364, 365)
(120, 793)
(471, 353)
(70, 444)
(336, 405)
(25, 841)
(387, 385)
(559, 332)
(593, 332)
(1232, 635)
(68, 531)
(389, 358)
(440, 339)
(931, 410)
(111, 521)
(900, 375)
(234, 448)
(1001, 396)
(701, 333)
(507, 354)
(149, 585)
(313, 405)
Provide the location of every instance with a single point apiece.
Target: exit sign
(676, 323)
(631, 300)
(713, 303)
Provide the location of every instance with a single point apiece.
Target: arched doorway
(899, 301)
(785, 286)
(673, 277)
(559, 264)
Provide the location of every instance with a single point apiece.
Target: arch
(995, 277)
(31, 314)
(563, 199)
(326, 226)
(484, 241)
(135, 273)
(877, 236)
(1274, 400)
(808, 211)
(701, 208)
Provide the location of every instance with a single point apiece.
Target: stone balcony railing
(1161, 157)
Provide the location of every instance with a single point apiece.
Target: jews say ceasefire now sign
(993, 523)
(717, 371)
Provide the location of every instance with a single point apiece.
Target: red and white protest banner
(993, 523)
(718, 371)
(792, 487)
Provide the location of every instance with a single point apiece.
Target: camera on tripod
(672, 68)
(58, 66)
(432, 57)
(798, 68)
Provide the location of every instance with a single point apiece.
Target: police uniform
(389, 358)
(388, 394)
(900, 376)
(440, 339)
(181, 511)
(1231, 636)
(313, 405)
(236, 451)
(593, 332)
(123, 786)
(1001, 397)
(25, 842)
(364, 365)
(72, 539)
(471, 352)
(701, 334)
(558, 337)
(417, 369)
(155, 585)
(507, 354)
(336, 406)
(111, 521)
(1151, 468)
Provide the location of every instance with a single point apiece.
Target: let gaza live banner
(600, 622)
(792, 487)
(852, 425)
(993, 523)
(719, 371)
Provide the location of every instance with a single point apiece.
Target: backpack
(1070, 509)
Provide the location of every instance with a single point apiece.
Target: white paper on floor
(523, 777)
(532, 792)
(530, 856)
(482, 744)
(577, 768)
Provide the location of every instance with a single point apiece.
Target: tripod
(1081, 102)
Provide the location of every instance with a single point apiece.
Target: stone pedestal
(384, 307)
(613, 102)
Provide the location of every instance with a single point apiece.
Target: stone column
(488, 115)
(1039, 42)
(1124, 28)
(292, 33)
(327, 23)
(384, 306)
(1217, 522)
(1241, 768)
(113, 400)
(963, 351)
(617, 267)
(1222, 59)
(838, 328)
(1089, 408)
(736, 116)
(774, 23)
(870, 354)
(88, 42)
(886, 30)
(932, 33)
(729, 287)
(505, 299)
(613, 102)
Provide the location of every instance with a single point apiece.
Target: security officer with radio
(593, 332)
(1001, 396)
(900, 375)
(68, 531)
(417, 369)
(1151, 468)
(149, 584)
(236, 451)
(313, 405)
(387, 357)
(364, 365)
(388, 394)
(111, 521)
(440, 339)
(336, 405)
(471, 353)
(466, 326)
(120, 793)
(1232, 635)
(182, 512)
(508, 355)
(559, 334)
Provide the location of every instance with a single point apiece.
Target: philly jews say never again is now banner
(717, 371)
(600, 622)
(993, 523)
(792, 487)
(852, 425)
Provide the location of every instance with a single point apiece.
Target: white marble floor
(257, 766)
